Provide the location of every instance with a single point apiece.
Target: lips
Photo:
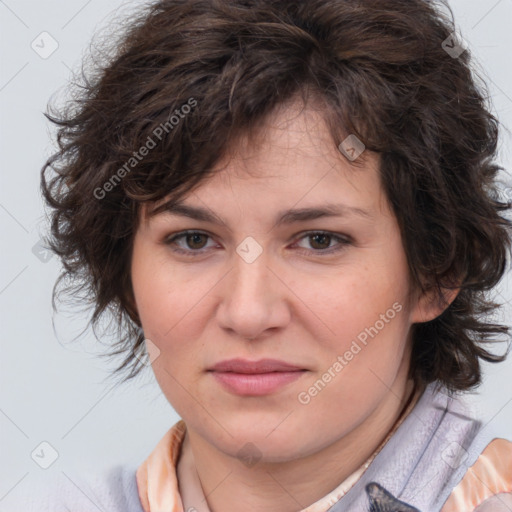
(255, 378)
(252, 367)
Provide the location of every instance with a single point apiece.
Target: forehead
(291, 133)
(291, 159)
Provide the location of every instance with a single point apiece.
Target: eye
(193, 239)
(321, 240)
(195, 243)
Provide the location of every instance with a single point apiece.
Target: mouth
(239, 365)
(255, 378)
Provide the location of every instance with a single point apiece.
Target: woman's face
(269, 276)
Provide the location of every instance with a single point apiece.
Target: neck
(293, 485)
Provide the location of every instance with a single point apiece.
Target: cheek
(169, 319)
(164, 294)
(360, 363)
(355, 302)
(173, 306)
(367, 316)
(153, 296)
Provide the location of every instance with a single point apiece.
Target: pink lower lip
(255, 384)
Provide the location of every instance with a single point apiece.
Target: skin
(292, 303)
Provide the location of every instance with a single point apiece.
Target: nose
(254, 299)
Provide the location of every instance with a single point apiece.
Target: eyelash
(343, 242)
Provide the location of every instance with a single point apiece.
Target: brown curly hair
(381, 71)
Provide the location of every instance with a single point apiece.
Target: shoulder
(487, 483)
(477, 461)
(113, 490)
(435, 455)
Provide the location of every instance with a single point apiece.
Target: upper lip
(261, 366)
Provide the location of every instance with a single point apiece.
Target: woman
(291, 206)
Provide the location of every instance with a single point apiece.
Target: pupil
(194, 237)
(322, 237)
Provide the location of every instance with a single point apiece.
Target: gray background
(55, 390)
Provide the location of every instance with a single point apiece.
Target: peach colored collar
(157, 479)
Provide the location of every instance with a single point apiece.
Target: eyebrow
(285, 217)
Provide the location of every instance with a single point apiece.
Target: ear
(429, 306)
